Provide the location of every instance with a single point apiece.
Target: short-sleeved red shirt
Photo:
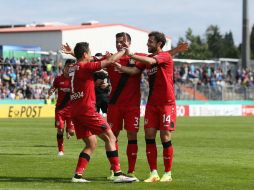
(160, 75)
(130, 93)
(82, 86)
(62, 84)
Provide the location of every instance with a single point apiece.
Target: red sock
(117, 151)
(114, 160)
(82, 163)
(60, 144)
(151, 153)
(132, 149)
(168, 152)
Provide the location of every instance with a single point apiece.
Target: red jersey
(128, 85)
(62, 84)
(82, 86)
(160, 76)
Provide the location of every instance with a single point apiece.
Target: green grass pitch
(211, 153)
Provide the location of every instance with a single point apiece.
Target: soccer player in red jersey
(62, 110)
(161, 107)
(124, 103)
(124, 100)
(87, 121)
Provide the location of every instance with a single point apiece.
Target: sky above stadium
(173, 17)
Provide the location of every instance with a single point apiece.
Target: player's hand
(182, 47)
(117, 67)
(49, 95)
(107, 55)
(68, 136)
(66, 48)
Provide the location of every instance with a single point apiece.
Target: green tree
(215, 41)
(198, 48)
(229, 49)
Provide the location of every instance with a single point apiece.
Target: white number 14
(166, 118)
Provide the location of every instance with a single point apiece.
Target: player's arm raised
(181, 47)
(66, 48)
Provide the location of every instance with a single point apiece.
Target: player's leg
(151, 125)
(115, 120)
(84, 157)
(132, 151)
(112, 154)
(167, 126)
(151, 154)
(131, 125)
(59, 124)
(70, 130)
(168, 151)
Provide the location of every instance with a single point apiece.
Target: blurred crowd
(26, 78)
(207, 75)
(30, 78)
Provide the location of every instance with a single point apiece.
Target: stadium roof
(63, 27)
(42, 27)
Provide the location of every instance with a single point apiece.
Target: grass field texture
(211, 153)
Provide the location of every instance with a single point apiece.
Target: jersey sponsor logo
(153, 70)
(77, 95)
(61, 82)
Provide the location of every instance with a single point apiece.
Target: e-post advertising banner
(27, 111)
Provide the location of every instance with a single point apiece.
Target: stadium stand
(26, 78)
(23, 78)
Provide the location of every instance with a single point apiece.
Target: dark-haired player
(61, 84)
(87, 121)
(160, 112)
